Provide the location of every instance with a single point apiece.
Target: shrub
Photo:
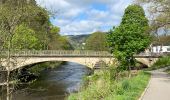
(162, 62)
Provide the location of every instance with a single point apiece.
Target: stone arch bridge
(19, 59)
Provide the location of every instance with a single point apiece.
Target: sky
(76, 17)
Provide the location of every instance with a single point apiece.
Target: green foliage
(162, 62)
(165, 61)
(131, 37)
(103, 89)
(56, 41)
(16, 13)
(20, 19)
(54, 30)
(97, 41)
(25, 38)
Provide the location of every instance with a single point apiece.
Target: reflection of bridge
(88, 58)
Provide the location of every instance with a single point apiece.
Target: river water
(54, 84)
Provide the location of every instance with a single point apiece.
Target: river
(54, 84)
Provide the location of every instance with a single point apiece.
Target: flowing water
(54, 84)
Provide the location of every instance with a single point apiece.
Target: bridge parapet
(63, 53)
(71, 53)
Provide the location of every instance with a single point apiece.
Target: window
(168, 49)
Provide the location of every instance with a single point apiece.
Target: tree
(159, 11)
(96, 41)
(163, 40)
(23, 25)
(57, 42)
(25, 38)
(12, 14)
(131, 37)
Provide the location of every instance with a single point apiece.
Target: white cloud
(97, 14)
(80, 17)
(79, 27)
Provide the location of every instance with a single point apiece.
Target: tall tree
(13, 13)
(56, 41)
(131, 37)
(159, 11)
(97, 41)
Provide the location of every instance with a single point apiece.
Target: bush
(162, 62)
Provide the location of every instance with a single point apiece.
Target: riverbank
(100, 86)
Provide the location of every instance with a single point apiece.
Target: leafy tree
(159, 11)
(97, 41)
(25, 38)
(12, 14)
(131, 37)
(57, 42)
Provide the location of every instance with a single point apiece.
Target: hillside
(77, 40)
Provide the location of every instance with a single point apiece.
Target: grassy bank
(100, 87)
(161, 63)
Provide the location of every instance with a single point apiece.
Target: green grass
(102, 88)
(161, 63)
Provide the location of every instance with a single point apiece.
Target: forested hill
(95, 41)
(77, 40)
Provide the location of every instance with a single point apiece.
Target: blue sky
(75, 17)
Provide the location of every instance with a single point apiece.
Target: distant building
(160, 49)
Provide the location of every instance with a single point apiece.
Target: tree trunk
(129, 71)
(8, 86)
(8, 70)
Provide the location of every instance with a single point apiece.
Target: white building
(160, 49)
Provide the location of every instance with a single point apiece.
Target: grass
(100, 87)
(161, 63)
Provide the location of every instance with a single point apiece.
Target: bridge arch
(86, 61)
(147, 61)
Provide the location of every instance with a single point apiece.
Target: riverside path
(159, 86)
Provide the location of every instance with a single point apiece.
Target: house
(160, 49)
